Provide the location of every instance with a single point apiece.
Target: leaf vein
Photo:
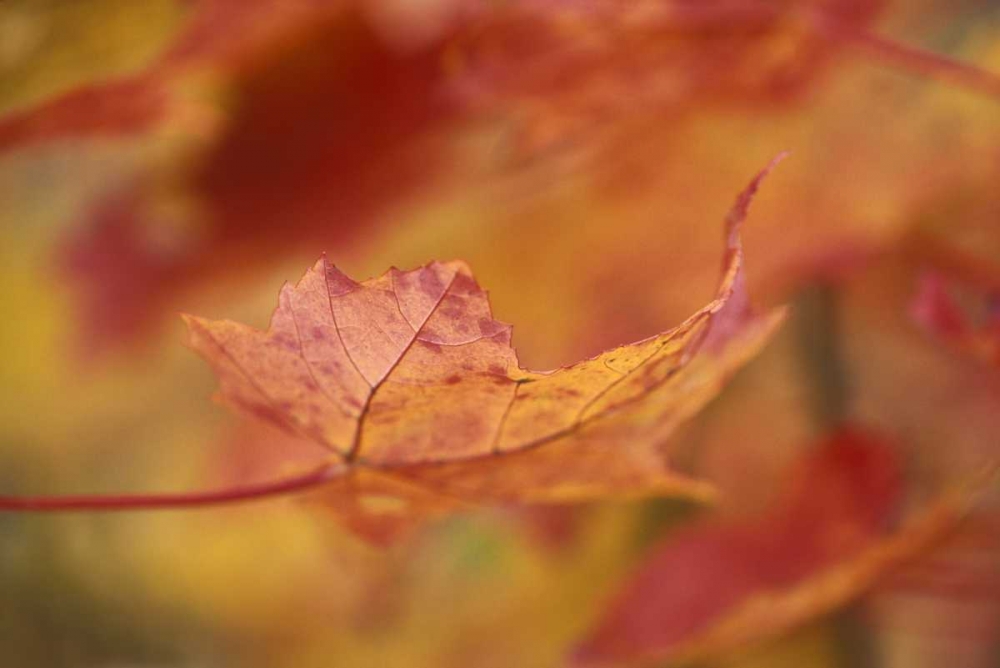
(356, 443)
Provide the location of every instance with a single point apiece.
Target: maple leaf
(825, 541)
(416, 390)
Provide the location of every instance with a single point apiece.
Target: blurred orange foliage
(192, 154)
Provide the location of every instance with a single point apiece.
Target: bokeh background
(189, 156)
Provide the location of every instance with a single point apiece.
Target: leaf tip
(195, 330)
(337, 282)
(191, 321)
(457, 266)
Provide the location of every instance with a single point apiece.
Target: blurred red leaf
(569, 67)
(330, 118)
(323, 140)
(120, 107)
(321, 136)
(120, 270)
(682, 47)
(945, 608)
(825, 541)
(935, 309)
(217, 35)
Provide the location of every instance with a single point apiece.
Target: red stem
(311, 478)
(911, 58)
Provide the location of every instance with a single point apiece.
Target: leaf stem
(166, 501)
(910, 58)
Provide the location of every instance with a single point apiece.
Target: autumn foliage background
(166, 156)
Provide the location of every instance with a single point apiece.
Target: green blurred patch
(54, 616)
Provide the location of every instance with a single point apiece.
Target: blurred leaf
(942, 316)
(720, 586)
(130, 100)
(323, 119)
(316, 135)
(49, 46)
(567, 68)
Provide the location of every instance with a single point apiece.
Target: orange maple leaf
(416, 391)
